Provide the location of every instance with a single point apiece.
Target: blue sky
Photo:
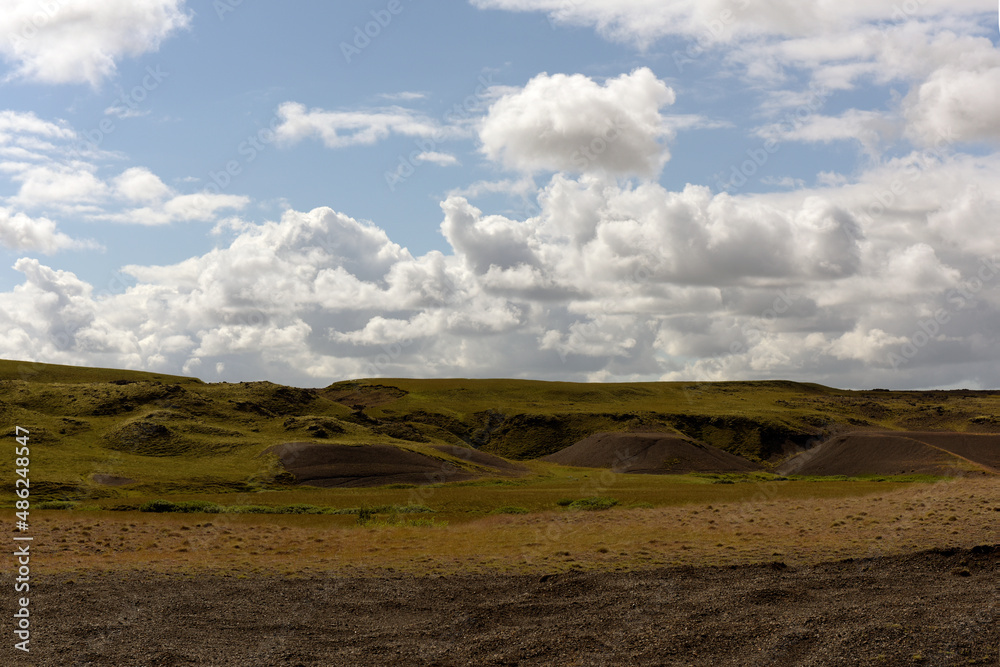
(560, 189)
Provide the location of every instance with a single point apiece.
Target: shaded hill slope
(651, 453)
(898, 453)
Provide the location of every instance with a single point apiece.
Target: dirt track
(931, 608)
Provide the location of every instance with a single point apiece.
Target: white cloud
(201, 206)
(606, 281)
(602, 278)
(942, 49)
(405, 96)
(23, 233)
(138, 184)
(20, 122)
(871, 129)
(642, 22)
(522, 186)
(493, 241)
(345, 128)
(783, 181)
(59, 185)
(123, 111)
(956, 103)
(80, 41)
(572, 123)
(57, 178)
(442, 159)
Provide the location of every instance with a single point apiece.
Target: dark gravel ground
(930, 608)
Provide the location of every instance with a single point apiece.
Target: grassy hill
(31, 371)
(177, 434)
(760, 420)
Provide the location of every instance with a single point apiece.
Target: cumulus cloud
(80, 41)
(138, 184)
(493, 241)
(59, 185)
(571, 123)
(954, 84)
(605, 281)
(943, 51)
(956, 104)
(20, 232)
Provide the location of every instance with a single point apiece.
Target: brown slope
(981, 448)
(482, 459)
(330, 465)
(876, 453)
(651, 453)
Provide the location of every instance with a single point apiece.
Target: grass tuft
(594, 503)
(511, 509)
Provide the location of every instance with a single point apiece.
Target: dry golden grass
(797, 531)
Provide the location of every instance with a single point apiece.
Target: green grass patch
(511, 509)
(593, 503)
(399, 522)
(56, 505)
(184, 506)
(208, 507)
(896, 479)
(31, 371)
(738, 477)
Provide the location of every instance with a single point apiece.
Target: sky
(584, 190)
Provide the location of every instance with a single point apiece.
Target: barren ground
(931, 608)
(835, 581)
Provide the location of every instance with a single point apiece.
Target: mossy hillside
(31, 371)
(763, 421)
(179, 434)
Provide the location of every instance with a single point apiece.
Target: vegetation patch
(56, 505)
(208, 507)
(593, 503)
(314, 426)
(511, 509)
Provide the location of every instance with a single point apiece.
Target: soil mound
(478, 458)
(146, 438)
(651, 453)
(981, 448)
(330, 465)
(359, 395)
(898, 453)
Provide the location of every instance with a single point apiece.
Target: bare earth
(333, 465)
(657, 453)
(933, 608)
(899, 453)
